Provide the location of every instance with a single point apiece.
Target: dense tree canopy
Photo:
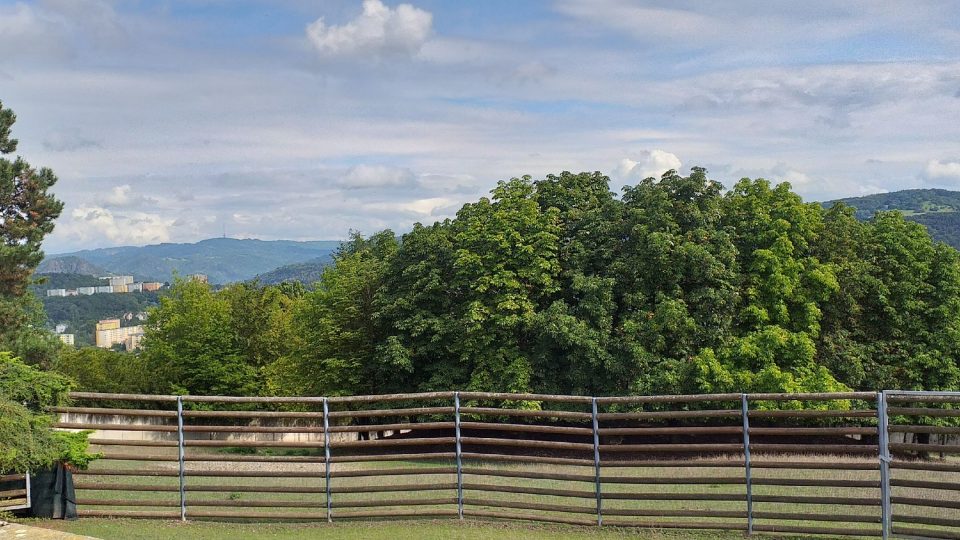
(559, 285)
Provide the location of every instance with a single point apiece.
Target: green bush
(27, 440)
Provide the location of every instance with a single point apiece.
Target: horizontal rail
(12, 477)
(523, 397)
(923, 411)
(925, 484)
(423, 471)
(113, 412)
(668, 480)
(522, 505)
(833, 531)
(937, 448)
(694, 448)
(818, 448)
(807, 465)
(129, 514)
(13, 493)
(492, 411)
(581, 494)
(811, 499)
(816, 482)
(796, 516)
(814, 396)
(812, 414)
(393, 457)
(528, 517)
(685, 398)
(929, 520)
(123, 397)
(673, 463)
(719, 430)
(526, 428)
(944, 430)
(525, 443)
(379, 443)
(930, 503)
(526, 459)
(925, 466)
(724, 413)
(413, 411)
(661, 496)
(355, 428)
(926, 533)
(529, 474)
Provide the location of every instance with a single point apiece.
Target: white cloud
(949, 170)
(378, 31)
(89, 222)
(123, 196)
(377, 176)
(649, 163)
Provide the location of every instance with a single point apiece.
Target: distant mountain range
(223, 260)
(937, 209)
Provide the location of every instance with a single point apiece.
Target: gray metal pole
(456, 420)
(326, 457)
(596, 462)
(181, 460)
(745, 412)
(883, 440)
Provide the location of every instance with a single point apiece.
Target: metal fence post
(181, 459)
(29, 495)
(326, 457)
(459, 450)
(744, 411)
(883, 446)
(596, 462)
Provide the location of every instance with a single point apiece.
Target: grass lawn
(127, 529)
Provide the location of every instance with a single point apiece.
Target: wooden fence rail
(850, 463)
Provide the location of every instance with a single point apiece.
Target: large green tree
(27, 213)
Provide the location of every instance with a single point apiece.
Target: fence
(14, 492)
(791, 463)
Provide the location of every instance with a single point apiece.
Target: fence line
(810, 463)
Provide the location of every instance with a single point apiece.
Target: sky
(170, 121)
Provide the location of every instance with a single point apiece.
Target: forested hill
(223, 260)
(308, 272)
(937, 209)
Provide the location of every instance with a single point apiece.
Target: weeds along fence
(807, 464)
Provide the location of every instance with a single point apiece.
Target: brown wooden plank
(923, 411)
(489, 411)
(536, 475)
(926, 533)
(930, 503)
(526, 443)
(528, 459)
(529, 490)
(422, 471)
(548, 518)
(801, 529)
(809, 499)
(925, 484)
(797, 516)
(816, 482)
(526, 428)
(725, 413)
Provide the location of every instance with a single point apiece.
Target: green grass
(109, 529)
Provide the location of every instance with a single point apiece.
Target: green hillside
(307, 273)
(937, 209)
(223, 260)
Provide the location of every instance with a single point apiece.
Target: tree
(189, 343)
(27, 440)
(27, 212)
(336, 350)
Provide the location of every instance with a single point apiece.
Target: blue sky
(170, 121)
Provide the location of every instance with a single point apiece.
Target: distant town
(118, 284)
(109, 333)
